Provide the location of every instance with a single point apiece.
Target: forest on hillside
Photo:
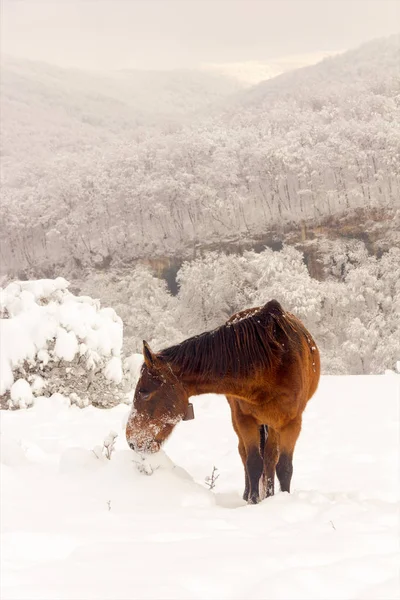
(315, 143)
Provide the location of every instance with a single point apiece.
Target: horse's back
(268, 308)
(297, 364)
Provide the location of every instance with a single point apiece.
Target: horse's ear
(152, 361)
(149, 358)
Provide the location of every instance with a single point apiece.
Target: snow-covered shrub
(55, 342)
(108, 446)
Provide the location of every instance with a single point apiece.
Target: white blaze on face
(140, 434)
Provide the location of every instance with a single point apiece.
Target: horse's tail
(263, 438)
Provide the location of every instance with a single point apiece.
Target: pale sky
(151, 34)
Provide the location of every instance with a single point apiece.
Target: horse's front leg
(235, 411)
(254, 465)
(248, 432)
(250, 435)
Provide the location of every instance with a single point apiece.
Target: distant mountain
(253, 72)
(144, 92)
(374, 64)
(46, 108)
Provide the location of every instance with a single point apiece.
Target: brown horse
(265, 362)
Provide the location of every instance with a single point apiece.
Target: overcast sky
(105, 34)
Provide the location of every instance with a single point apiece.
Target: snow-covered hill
(110, 101)
(78, 162)
(78, 526)
(51, 112)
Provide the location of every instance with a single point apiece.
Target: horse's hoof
(253, 499)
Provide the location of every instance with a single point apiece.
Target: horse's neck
(209, 385)
(195, 388)
(206, 382)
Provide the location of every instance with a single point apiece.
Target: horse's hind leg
(271, 455)
(287, 442)
(243, 456)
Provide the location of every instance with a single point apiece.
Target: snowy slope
(77, 526)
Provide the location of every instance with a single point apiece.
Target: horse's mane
(256, 338)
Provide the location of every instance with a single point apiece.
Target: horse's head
(160, 402)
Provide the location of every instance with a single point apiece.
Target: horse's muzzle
(148, 448)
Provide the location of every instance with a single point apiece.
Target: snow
(66, 345)
(21, 394)
(113, 370)
(76, 525)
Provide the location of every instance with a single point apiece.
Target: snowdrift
(76, 525)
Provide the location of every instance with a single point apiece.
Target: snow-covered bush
(108, 446)
(55, 342)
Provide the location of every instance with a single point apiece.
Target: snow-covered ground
(77, 526)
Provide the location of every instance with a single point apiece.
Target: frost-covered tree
(211, 289)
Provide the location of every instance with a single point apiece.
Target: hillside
(49, 109)
(374, 66)
(46, 108)
(305, 147)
